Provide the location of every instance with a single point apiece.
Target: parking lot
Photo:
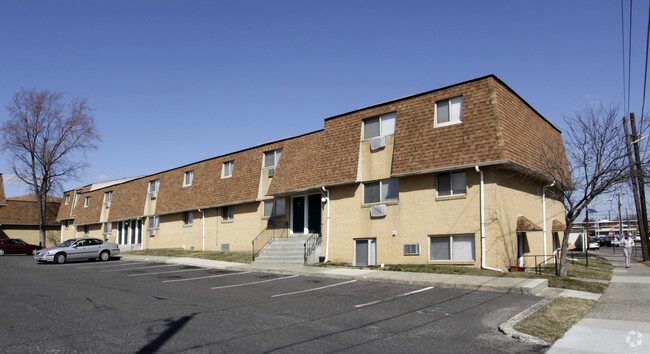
(142, 307)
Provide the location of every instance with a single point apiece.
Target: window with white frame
(227, 213)
(226, 169)
(273, 208)
(154, 222)
(449, 111)
(451, 184)
(86, 202)
(154, 186)
(452, 248)
(379, 126)
(188, 178)
(108, 196)
(67, 199)
(381, 191)
(188, 218)
(272, 158)
(108, 227)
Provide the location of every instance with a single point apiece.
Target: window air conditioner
(377, 211)
(377, 143)
(271, 172)
(152, 232)
(153, 195)
(107, 205)
(412, 250)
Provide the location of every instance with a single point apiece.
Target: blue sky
(174, 82)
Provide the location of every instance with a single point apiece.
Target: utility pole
(636, 177)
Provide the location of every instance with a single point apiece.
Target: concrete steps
(284, 251)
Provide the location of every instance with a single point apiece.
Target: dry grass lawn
(551, 322)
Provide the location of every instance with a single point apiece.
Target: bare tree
(595, 149)
(44, 137)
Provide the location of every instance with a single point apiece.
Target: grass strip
(238, 257)
(554, 320)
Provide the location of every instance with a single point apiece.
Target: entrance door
(365, 252)
(314, 214)
(298, 210)
(306, 214)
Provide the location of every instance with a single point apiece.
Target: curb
(508, 329)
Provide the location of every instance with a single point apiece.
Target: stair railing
(273, 230)
(311, 244)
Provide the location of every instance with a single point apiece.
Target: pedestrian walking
(628, 243)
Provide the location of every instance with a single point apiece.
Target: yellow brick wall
(376, 164)
(30, 234)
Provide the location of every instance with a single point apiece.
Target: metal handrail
(275, 230)
(310, 245)
(545, 259)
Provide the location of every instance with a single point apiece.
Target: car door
(77, 250)
(93, 248)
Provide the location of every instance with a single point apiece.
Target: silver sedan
(78, 249)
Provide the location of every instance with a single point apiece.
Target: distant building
(19, 218)
(447, 176)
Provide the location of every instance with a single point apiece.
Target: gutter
(482, 203)
(327, 238)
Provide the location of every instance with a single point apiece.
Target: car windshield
(66, 243)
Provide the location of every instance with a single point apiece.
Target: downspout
(544, 216)
(327, 238)
(483, 266)
(203, 224)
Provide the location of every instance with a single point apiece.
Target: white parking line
(111, 265)
(206, 277)
(252, 283)
(394, 297)
(171, 271)
(149, 267)
(314, 289)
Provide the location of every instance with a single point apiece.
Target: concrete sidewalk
(466, 282)
(620, 321)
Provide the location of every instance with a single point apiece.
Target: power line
(623, 55)
(645, 76)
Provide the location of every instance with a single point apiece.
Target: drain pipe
(203, 224)
(544, 217)
(327, 238)
(483, 223)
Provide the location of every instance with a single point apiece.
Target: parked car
(593, 243)
(16, 245)
(84, 248)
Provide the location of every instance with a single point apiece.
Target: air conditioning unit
(153, 195)
(107, 205)
(271, 172)
(377, 143)
(412, 250)
(377, 211)
(152, 233)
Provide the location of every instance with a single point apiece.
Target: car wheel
(59, 258)
(2, 252)
(34, 251)
(104, 256)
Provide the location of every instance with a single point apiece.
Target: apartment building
(19, 218)
(448, 176)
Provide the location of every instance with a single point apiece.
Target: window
(67, 199)
(154, 186)
(412, 249)
(273, 207)
(189, 176)
(226, 170)
(449, 111)
(452, 248)
(271, 158)
(108, 196)
(86, 202)
(452, 183)
(66, 223)
(227, 213)
(379, 126)
(108, 228)
(86, 230)
(381, 191)
(188, 218)
(154, 222)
